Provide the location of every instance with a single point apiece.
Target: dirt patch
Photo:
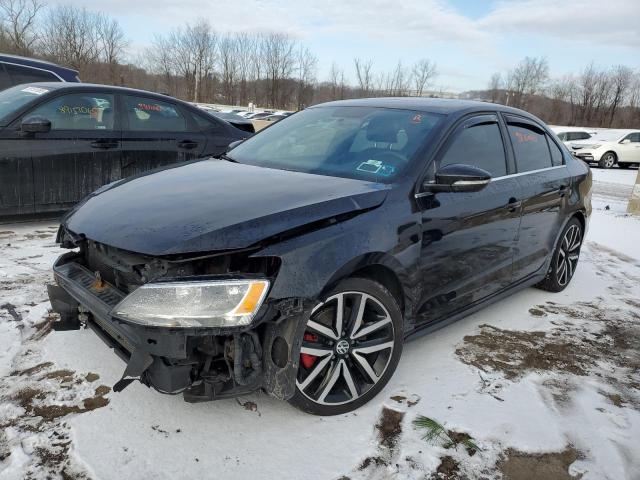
(515, 353)
(585, 335)
(448, 468)
(91, 377)
(525, 466)
(64, 376)
(32, 370)
(389, 427)
(536, 312)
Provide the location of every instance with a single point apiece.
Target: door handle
(187, 144)
(514, 204)
(104, 144)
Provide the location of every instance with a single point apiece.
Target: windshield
(14, 98)
(364, 143)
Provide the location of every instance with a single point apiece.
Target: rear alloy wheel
(565, 258)
(350, 348)
(608, 160)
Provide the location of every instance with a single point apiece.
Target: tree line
(596, 97)
(273, 69)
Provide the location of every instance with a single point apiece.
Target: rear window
(530, 147)
(21, 74)
(14, 98)
(147, 114)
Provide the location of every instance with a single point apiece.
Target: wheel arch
(615, 154)
(381, 268)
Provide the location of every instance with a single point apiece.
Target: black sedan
(61, 141)
(300, 263)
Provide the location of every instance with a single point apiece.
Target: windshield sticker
(525, 137)
(35, 90)
(417, 118)
(149, 107)
(371, 166)
(387, 170)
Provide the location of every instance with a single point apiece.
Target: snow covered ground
(546, 386)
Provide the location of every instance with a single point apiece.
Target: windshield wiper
(226, 157)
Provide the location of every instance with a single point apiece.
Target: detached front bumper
(203, 364)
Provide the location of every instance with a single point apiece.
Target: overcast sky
(468, 39)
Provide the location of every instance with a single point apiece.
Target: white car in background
(571, 134)
(608, 148)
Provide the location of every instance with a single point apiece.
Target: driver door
(79, 154)
(468, 239)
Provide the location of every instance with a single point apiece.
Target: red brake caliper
(306, 359)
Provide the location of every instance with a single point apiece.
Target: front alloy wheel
(608, 160)
(350, 348)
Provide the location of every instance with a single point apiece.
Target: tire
(565, 258)
(608, 160)
(624, 165)
(342, 376)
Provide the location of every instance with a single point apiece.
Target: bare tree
(335, 77)
(19, 24)
(527, 79)
(307, 67)
(71, 36)
(113, 44)
(364, 74)
(621, 79)
(424, 71)
(495, 84)
(278, 52)
(228, 67)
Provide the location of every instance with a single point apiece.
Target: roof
(66, 73)
(434, 105)
(99, 87)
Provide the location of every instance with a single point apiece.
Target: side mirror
(459, 178)
(625, 141)
(233, 145)
(35, 125)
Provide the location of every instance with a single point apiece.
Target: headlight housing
(189, 304)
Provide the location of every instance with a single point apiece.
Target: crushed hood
(214, 205)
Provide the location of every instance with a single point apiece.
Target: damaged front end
(125, 297)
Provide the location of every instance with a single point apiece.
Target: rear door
(545, 184)
(80, 153)
(468, 239)
(156, 133)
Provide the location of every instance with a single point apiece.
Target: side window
(634, 137)
(478, 145)
(530, 147)
(583, 136)
(78, 111)
(556, 153)
(564, 136)
(204, 123)
(20, 74)
(147, 114)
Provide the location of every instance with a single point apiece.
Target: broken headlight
(223, 303)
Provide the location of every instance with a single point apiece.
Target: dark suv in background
(61, 141)
(16, 70)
